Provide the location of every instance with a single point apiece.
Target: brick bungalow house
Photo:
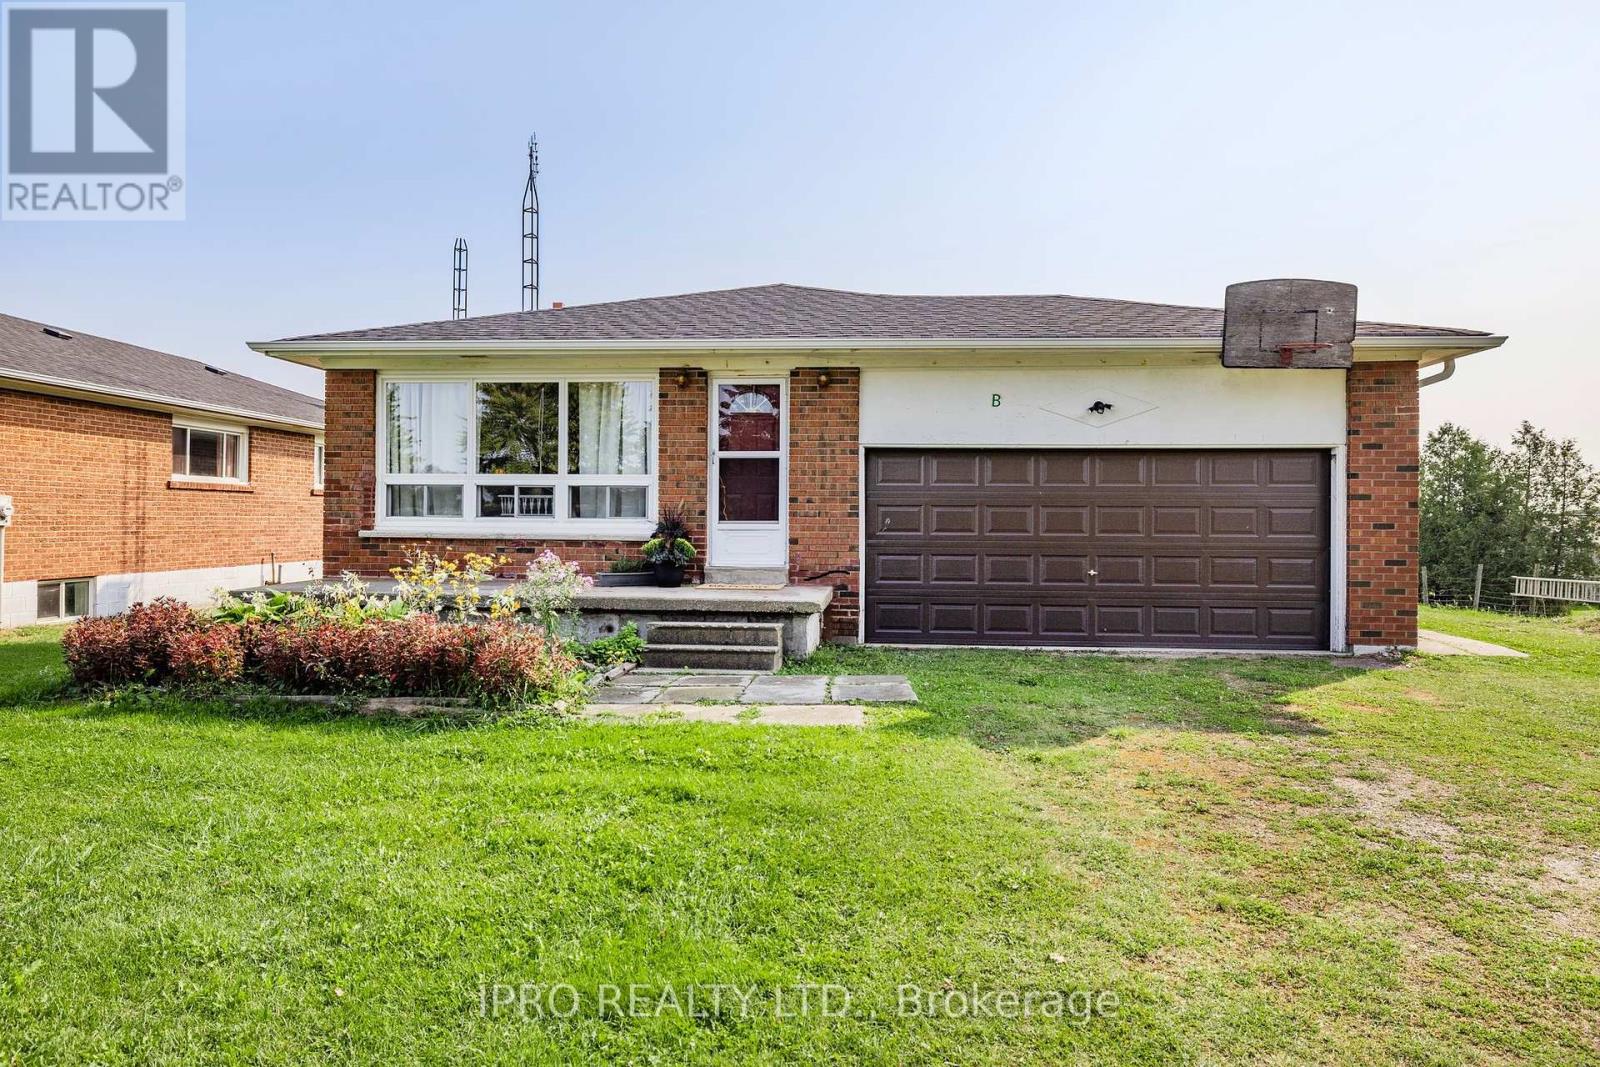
(1018, 470)
(136, 474)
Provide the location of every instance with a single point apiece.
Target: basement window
(210, 453)
(67, 599)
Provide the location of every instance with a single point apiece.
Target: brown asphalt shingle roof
(800, 312)
(103, 365)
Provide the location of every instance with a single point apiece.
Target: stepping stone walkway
(738, 696)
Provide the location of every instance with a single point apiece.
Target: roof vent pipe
(1446, 371)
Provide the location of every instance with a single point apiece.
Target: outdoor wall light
(683, 377)
(823, 379)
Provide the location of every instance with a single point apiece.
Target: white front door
(749, 505)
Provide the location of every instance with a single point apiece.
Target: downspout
(1445, 372)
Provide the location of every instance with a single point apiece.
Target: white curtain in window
(428, 427)
(613, 431)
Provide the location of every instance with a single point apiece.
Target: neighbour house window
(319, 463)
(518, 451)
(209, 452)
(64, 600)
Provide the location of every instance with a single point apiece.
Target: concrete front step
(751, 634)
(772, 577)
(712, 657)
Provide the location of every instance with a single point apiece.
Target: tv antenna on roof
(458, 281)
(530, 230)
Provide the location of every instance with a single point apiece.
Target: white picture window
(68, 599)
(210, 452)
(504, 453)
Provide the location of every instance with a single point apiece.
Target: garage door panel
(952, 469)
(1123, 521)
(1008, 520)
(953, 619)
(1186, 548)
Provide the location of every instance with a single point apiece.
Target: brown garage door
(1198, 549)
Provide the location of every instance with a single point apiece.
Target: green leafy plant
(628, 565)
(624, 646)
(676, 552)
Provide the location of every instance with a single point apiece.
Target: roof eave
(53, 386)
(1425, 349)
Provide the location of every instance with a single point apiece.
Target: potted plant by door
(669, 549)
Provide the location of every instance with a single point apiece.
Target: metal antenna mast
(458, 281)
(530, 230)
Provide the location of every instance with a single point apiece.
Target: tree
(1468, 500)
(1533, 509)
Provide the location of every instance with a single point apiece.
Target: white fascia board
(312, 353)
(143, 401)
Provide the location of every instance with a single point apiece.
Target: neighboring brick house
(136, 474)
(1018, 470)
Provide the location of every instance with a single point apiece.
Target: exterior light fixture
(823, 379)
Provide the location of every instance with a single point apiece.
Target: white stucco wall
(1205, 406)
(111, 593)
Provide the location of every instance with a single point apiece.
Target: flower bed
(431, 641)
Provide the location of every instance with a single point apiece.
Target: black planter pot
(669, 575)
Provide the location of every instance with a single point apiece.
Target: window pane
(609, 501)
(628, 501)
(425, 501)
(180, 450)
(747, 418)
(230, 455)
(516, 501)
(319, 459)
(49, 600)
(608, 428)
(205, 453)
(427, 427)
(77, 598)
(519, 428)
(748, 490)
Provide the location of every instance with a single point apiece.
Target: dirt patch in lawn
(1386, 802)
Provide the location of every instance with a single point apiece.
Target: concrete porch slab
(647, 689)
(731, 714)
(1435, 643)
(873, 689)
(786, 689)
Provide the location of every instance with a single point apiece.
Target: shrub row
(168, 643)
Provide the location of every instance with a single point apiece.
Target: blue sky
(1442, 156)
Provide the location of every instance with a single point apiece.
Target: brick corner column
(824, 494)
(350, 469)
(1382, 421)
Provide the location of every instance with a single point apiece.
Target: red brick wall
(824, 500)
(351, 477)
(1382, 487)
(91, 488)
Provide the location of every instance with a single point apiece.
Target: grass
(1274, 860)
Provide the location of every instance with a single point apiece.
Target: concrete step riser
(714, 659)
(747, 576)
(755, 635)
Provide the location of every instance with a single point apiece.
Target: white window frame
(61, 599)
(242, 432)
(559, 525)
(319, 462)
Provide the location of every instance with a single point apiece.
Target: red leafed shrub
(415, 656)
(206, 657)
(135, 646)
(518, 662)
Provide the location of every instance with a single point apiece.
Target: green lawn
(1270, 860)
